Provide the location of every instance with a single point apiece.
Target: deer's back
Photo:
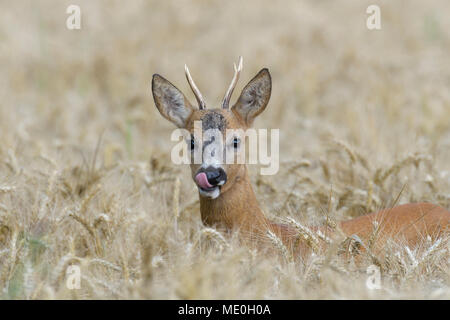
(409, 223)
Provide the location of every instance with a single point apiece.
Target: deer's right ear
(171, 102)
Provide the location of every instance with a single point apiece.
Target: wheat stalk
(28, 281)
(374, 234)
(90, 230)
(106, 264)
(347, 149)
(309, 236)
(88, 198)
(433, 248)
(381, 175)
(9, 266)
(411, 256)
(176, 204)
(6, 189)
(176, 199)
(280, 245)
(213, 233)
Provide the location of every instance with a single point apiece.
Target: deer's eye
(236, 143)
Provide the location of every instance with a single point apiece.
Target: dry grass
(85, 171)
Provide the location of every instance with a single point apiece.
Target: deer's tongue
(202, 181)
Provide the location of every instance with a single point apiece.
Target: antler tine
(198, 95)
(237, 72)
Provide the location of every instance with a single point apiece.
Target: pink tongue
(202, 180)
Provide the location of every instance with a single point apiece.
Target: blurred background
(360, 111)
(381, 89)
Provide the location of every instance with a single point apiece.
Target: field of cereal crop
(85, 171)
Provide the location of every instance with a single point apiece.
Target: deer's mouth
(208, 189)
(212, 192)
(205, 188)
(202, 182)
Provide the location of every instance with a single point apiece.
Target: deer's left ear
(254, 97)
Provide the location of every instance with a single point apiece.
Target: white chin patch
(210, 194)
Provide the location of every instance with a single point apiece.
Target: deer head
(220, 134)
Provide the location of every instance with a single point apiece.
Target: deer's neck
(238, 209)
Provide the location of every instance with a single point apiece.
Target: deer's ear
(254, 97)
(171, 102)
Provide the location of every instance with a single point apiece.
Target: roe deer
(227, 200)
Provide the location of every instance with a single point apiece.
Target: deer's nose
(215, 176)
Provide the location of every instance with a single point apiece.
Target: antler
(237, 72)
(198, 95)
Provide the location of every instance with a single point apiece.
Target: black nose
(215, 176)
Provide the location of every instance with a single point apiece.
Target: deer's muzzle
(210, 178)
